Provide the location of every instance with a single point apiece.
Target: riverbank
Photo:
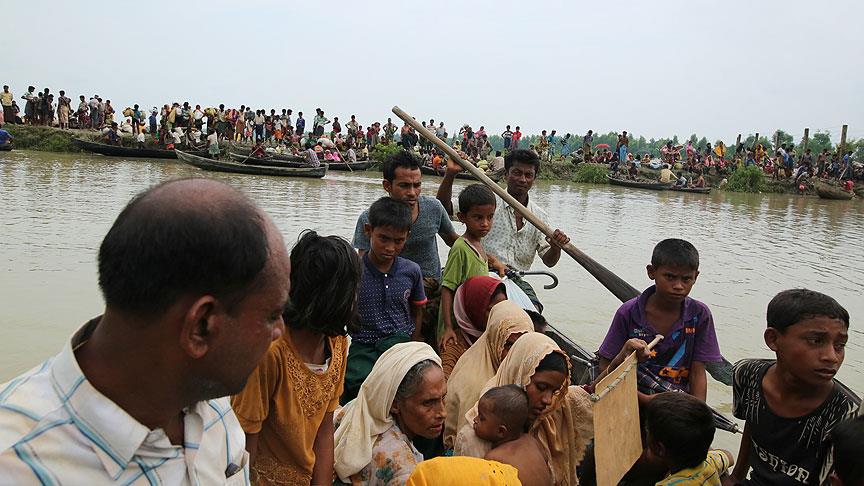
(49, 139)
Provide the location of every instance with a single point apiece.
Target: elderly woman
(471, 305)
(507, 323)
(402, 398)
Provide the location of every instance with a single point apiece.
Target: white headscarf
(368, 416)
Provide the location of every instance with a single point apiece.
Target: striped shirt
(56, 428)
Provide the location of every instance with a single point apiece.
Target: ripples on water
(55, 209)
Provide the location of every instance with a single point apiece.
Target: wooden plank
(617, 437)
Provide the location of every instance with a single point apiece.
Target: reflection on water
(55, 209)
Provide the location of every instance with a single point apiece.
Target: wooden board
(617, 438)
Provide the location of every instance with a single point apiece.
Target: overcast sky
(653, 68)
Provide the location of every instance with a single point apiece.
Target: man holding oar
(512, 241)
(402, 181)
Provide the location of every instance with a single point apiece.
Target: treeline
(640, 145)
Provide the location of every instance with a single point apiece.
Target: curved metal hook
(541, 272)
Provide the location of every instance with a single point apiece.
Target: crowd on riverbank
(186, 125)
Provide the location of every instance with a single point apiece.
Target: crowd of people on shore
(185, 125)
(224, 358)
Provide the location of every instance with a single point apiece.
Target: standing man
(6, 98)
(621, 148)
(301, 124)
(441, 132)
(30, 99)
(513, 242)
(507, 135)
(550, 146)
(318, 123)
(587, 142)
(402, 181)
(352, 127)
(517, 135)
(64, 107)
(132, 397)
(389, 129)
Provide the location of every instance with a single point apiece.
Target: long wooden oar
(721, 371)
(621, 289)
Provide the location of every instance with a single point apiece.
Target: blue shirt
(4, 136)
(421, 247)
(385, 298)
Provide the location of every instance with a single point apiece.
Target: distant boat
(226, 166)
(494, 175)
(280, 162)
(120, 151)
(697, 190)
(832, 192)
(654, 186)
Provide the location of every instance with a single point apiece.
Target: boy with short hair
(665, 308)
(502, 413)
(390, 294)
(467, 258)
(791, 403)
(847, 440)
(679, 430)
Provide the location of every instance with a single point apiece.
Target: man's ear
(201, 324)
(771, 337)
(460, 217)
(651, 271)
(388, 186)
(367, 230)
(394, 408)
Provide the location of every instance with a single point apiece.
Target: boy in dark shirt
(665, 308)
(391, 296)
(791, 404)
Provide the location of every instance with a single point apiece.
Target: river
(56, 208)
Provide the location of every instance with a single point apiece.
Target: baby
(502, 418)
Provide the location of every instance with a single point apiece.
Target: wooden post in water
(806, 139)
(843, 141)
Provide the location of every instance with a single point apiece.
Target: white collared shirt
(56, 428)
(512, 247)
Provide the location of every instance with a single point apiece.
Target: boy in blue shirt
(391, 296)
(791, 404)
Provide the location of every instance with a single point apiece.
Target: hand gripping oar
(721, 371)
(621, 289)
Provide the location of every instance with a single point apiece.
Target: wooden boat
(832, 192)
(267, 161)
(120, 151)
(227, 166)
(859, 191)
(697, 190)
(495, 176)
(244, 152)
(654, 186)
(359, 165)
(6, 147)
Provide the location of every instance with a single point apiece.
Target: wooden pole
(843, 141)
(756, 141)
(615, 284)
(738, 141)
(806, 139)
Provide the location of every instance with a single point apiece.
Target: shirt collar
(378, 273)
(115, 435)
(642, 301)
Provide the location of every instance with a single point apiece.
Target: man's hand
(453, 167)
(558, 239)
(448, 339)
